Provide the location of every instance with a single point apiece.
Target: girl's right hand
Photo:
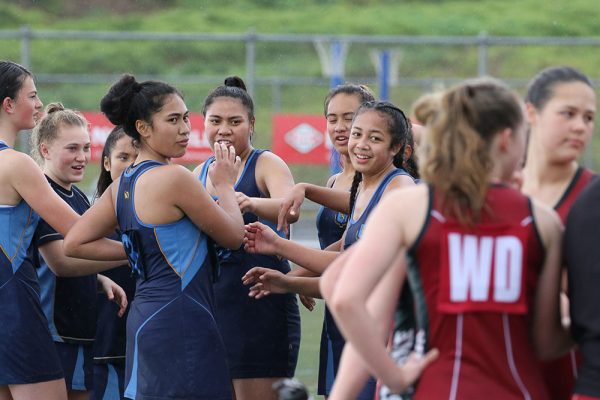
(225, 169)
(407, 374)
(290, 206)
(260, 239)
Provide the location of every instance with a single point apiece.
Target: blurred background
(290, 52)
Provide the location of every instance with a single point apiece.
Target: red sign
(301, 139)
(197, 150)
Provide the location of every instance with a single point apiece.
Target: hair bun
(116, 103)
(54, 107)
(235, 81)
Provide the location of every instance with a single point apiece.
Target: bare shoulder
(268, 160)
(21, 162)
(400, 181)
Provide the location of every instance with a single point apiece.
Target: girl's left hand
(113, 293)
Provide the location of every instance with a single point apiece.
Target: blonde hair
(457, 159)
(425, 107)
(56, 115)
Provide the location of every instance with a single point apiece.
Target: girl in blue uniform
(340, 105)
(29, 364)
(376, 148)
(262, 339)
(61, 144)
(167, 220)
(118, 153)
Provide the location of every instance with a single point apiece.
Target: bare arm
(353, 373)
(275, 179)
(263, 240)
(551, 339)
(64, 266)
(391, 228)
(93, 226)
(265, 281)
(222, 222)
(33, 187)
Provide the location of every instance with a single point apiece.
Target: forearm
(307, 286)
(64, 266)
(311, 259)
(351, 377)
(363, 332)
(235, 221)
(98, 250)
(300, 271)
(268, 208)
(73, 267)
(335, 199)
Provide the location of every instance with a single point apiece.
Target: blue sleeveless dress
(331, 225)
(109, 345)
(27, 352)
(68, 303)
(262, 337)
(174, 349)
(353, 233)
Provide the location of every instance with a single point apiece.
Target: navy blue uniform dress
(27, 353)
(262, 337)
(68, 303)
(174, 349)
(354, 231)
(109, 346)
(331, 225)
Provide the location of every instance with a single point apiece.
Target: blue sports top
(331, 225)
(68, 303)
(17, 225)
(355, 227)
(180, 246)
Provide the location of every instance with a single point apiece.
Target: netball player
(61, 144)
(118, 153)
(166, 218)
(29, 365)
(376, 145)
(262, 339)
(561, 106)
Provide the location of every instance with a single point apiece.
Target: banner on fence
(301, 139)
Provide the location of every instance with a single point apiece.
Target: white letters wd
(470, 261)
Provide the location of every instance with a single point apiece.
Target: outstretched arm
(263, 240)
(390, 229)
(335, 199)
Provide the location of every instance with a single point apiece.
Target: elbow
(69, 247)
(234, 241)
(293, 218)
(343, 306)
